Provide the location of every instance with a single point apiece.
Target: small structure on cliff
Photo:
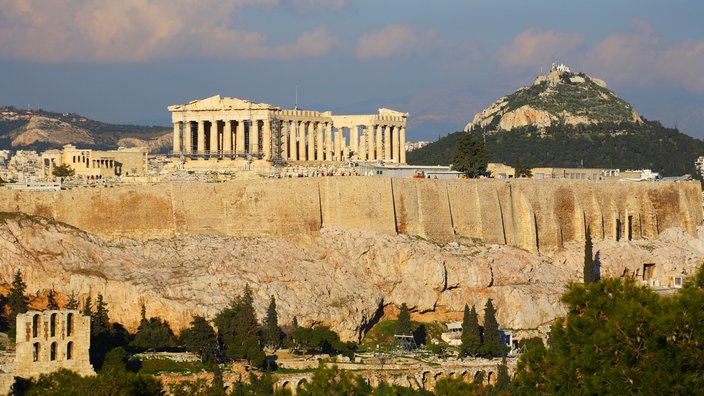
(48, 341)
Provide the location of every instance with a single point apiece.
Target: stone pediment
(218, 103)
(385, 111)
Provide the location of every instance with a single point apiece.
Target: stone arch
(69, 350)
(52, 324)
(35, 325)
(286, 386)
(491, 378)
(36, 351)
(301, 383)
(69, 324)
(479, 374)
(52, 351)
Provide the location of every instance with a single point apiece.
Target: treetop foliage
(469, 156)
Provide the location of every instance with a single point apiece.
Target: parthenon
(218, 128)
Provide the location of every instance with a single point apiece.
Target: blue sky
(441, 61)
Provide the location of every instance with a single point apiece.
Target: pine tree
(88, 307)
(588, 258)
(200, 339)
(16, 300)
(100, 321)
(469, 156)
(272, 332)
(51, 300)
(403, 323)
(72, 301)
(491, 341)
(471, 334)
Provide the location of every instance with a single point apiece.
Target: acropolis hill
(343, 250)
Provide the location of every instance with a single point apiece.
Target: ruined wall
(531, 214)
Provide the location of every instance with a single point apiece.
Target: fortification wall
(530, 214)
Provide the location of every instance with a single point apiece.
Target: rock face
(342, 278)
(560, 97)
(535, 215)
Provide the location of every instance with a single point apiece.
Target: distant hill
(41, 130)
(568, 120)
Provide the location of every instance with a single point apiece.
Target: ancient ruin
(96, 163)
(222, 129)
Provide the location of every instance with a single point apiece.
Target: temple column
(177, 138)
(254, 137)
(187, 138)
(266, 139)
(213, 137)
(311, 141)
(239, 138)
(328, 142)
(227, 138)
(402, 144)
(301, 140)
(354, 139)
(319, 142)
(380, 143)
(200, 149)
(394, 144)
(339, 144)
(293, 148)
(387, 143)
(363, 147)
(371, 132)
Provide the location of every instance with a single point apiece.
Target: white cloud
(395, 40)
(137, 30)
(534, 47)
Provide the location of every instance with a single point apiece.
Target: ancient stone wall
(535, 215)
(50, 340)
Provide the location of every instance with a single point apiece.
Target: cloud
(537, 47)
(306, 6)
(395, 40)
(137, 30)
(642, 58)
(638, 57)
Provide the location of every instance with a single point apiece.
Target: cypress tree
(471, 335)
(503, 380)
(16, 300)
(403, 324)
(238, 329)
(491, 342)
(88, 307)
(51, 300)
(272, 332)
(588, 258)
(72, 302)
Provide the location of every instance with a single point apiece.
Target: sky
(441, 61)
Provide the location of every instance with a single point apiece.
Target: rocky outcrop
(51, 131)
(342, 278)
(559, 98)
(159, 144)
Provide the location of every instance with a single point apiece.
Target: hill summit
(558, 98)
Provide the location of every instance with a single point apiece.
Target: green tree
(51, 300)
(503, 380)
(471, 333)
(16, 301)
(620, 337)
(521, 170)
(452, 386)
(321, 339)
(403, 323)
(200, 339)
(63, 170)
(588, 258)
(469, 156)
(72, 301)
(491, 340)
(272, 332)
(332, 381)
(239, 331)
(88, 307)
(153, 333)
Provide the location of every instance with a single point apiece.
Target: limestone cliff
(561, 97)
(343, 278)
(50, 131)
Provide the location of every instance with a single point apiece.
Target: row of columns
(299, 140)
(223, 138)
